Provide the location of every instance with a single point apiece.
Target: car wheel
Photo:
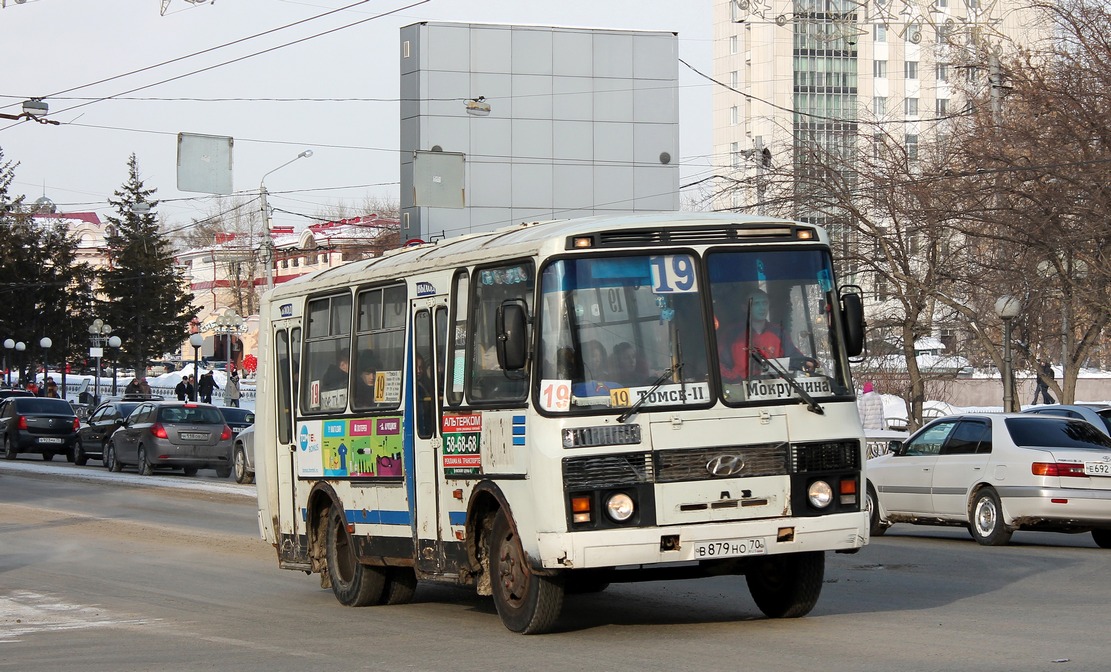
(528, 603)
(190, 471)
(144, 466)
(877, 527)
(80, 457)
(242, 474)
(10, 452)
(787, 586)
(104, 453)
(354, 584)
(223, 472)
(46, 457)
(110, 460)
(986, 520)
(1102, 538)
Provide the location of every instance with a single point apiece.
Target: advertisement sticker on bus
(462, 444)
(309, 461)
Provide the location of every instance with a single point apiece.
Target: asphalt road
(168, 573)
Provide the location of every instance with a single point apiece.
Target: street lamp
(45, 344)
(1008, 308)
(229, 322)
(98, 332)
(266, 213)
(21, 347)
(196, 340)
(9, 344)
(114, 342)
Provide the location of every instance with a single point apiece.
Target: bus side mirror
(512, 335)
(852, 319)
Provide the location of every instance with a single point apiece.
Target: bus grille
(825, 456)
(769, 459)
(607, 470)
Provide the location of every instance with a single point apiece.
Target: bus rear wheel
(787, 586)
(527, 603)
(354, 584)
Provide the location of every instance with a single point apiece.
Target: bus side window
(285, 408)
(422, 378)
(493, 287)
(326, 373)
(456, 357)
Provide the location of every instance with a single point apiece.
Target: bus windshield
(624, 330)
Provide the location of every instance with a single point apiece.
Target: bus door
(426, 373)
(287, 365)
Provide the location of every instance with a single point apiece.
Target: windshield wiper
(655, 386)
(811, 405)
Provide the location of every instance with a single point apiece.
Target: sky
(276, 94)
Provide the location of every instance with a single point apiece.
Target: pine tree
(145, 297)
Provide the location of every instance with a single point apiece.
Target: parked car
(243, 458)
(995, 473)
(172, 434)
(238, 418)
(37, 425)
(1097, 414)
(92, 438)
(14, 392)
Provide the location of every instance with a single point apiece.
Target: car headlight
(820, 494)
(620, 507)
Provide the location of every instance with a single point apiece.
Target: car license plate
(728, 548)
(49, 439)
(1097, 468)
(194, 436)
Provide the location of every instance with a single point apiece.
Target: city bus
(546, 409)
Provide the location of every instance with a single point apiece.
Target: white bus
(548, 408)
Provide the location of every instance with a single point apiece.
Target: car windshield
(37, 405)
(238, 414)
(1054, 433)
(201, 415)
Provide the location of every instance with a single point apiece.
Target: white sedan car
(995, 473)
(243, 456)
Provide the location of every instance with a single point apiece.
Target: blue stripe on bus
(378, 517)
(518, 440)
(518, 419)
(409, 438)
(457, 517)
(518, 430)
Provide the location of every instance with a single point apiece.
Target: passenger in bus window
(337, 375)
(364, 386)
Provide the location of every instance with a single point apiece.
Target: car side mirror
(121, 422)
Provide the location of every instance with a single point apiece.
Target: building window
(910, 107)
(877, 145)
(734, 80)
(943, 72)
(733, 116)
(941, 3)
(879, 68)
(733, 44)
(910, 69)
(912, 147)
(735, 154)
(879, 32)
(879, 105)
(942, 106)
(285, 263)
(914, 33)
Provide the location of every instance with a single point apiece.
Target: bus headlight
(620, 507)
(820, 494)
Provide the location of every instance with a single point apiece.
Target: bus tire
(354, 584)
(401, 585)
(527, 603)
(787, 586)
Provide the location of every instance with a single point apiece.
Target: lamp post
(196, 340)
(98, 333)
(228, 323)
(1008, 308)
(114, 342)
(9, 345)
(45, 344)
(266, 215)
(21, 347)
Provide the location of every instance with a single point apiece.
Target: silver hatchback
(172, 435)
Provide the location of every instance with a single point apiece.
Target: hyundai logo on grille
(725, 465)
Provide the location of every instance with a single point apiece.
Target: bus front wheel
(527, 603)
(787, 586)
(354, 584)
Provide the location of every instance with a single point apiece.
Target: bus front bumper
(706, 541)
